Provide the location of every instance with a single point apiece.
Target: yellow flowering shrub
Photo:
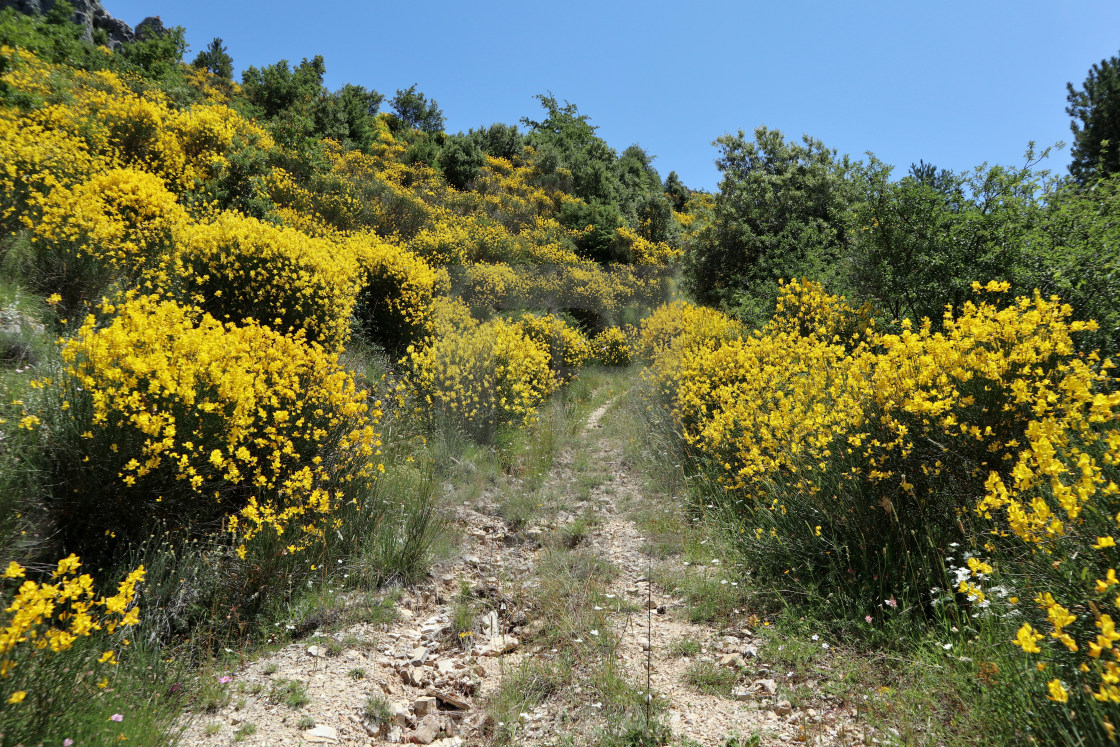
(53, 615)
(394, 305)
(238, 268)
(642, 251)
(119, 225)
(509, 193)
(805, 308)
(480, 377)
(459, 240)
(568, 348)
(184, 419)
(611, 347)
(123, 128)
(492, 285)
(208, 135)
(680, 325)
(37, 159)
(883, 444)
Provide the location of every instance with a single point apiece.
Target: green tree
(1095, 109)
(918, 244)
(1074, 253)
(676, 190)
(461, 160)
(158, 55)
(570, 156)
(347, 115)
(216, 59)
(780, 213)
(499, 140)
(278, 88)
(413, 109)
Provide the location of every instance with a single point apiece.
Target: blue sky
(954, 83)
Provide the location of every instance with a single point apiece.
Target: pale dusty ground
(500, 564)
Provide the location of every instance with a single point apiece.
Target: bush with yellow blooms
(611, 347)
(172, 418)
(480, 377)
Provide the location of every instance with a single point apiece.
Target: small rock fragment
(502, 644)
(764, 688)
(424, 705)
(321, 734)
(426, 731)
(732, 660)
(450, 699)
(399, 714)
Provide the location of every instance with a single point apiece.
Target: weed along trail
(544, 626)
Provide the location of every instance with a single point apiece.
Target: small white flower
(594, 632)
(824, 646)
(816, 637)
(947, 646)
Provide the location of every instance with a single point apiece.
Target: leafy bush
(678, 326)
(166, 417)
(237, 268)
(853, 467)
(119, 225)
(611, 347)
(394, 305)
(481, 377)
(568, 348)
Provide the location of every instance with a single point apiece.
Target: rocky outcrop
(92, 16)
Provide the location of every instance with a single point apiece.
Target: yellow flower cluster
(122, 128)
(676, 327)
(585, 286)
(481, 376)
(118, 226)
(568, 348)
(611, 347)
(646, 252)
(395, 303)
(54, 615)
(509, 192)
(124, 217)
(995, 413)
(37, 159)
(239, 268)
(239, 418)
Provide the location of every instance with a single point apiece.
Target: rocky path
(488, 627)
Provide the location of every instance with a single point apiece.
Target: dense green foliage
(780, 213)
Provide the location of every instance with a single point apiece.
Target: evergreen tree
(780, 214)
(216, 59)
(413, 109)
(1095, 109)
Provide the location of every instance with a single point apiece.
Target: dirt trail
(436, 682)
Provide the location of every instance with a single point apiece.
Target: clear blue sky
(954, 82)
